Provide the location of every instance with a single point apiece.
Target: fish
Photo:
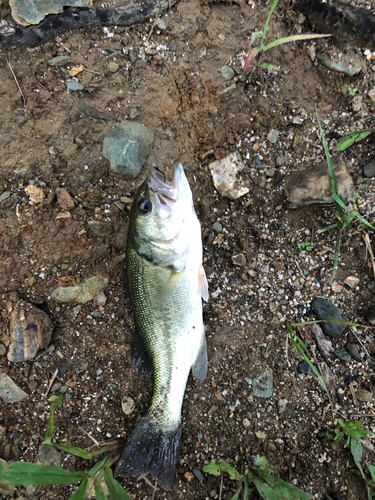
(166, 282)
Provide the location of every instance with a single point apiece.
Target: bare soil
(196, 117)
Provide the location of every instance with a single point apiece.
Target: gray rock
(134, 112)
(273, 135)
(161, 24)
(198, 474)
(9, 201)
(5, 196)
(133, 56)
(226, 175)
(352, 349)
(59, 61)
(217, 227)
(227, 72)
(369, 169)
(341, 67)
(280, 160)
(9, 390)
(141, 63)
(82, 293)
(263, 385)
(342, 354)
(100, 228)
(127, 147)
(30, 330)
(313, 184)
(325, 310)
(74, 85)
(3, 349)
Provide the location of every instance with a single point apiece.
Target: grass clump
(26, 473)
(261, 474)
(258, 51)
(345, 215)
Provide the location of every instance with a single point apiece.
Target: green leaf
(264, 465)
(97, 466)
(292, 38)
(372, 471)
(56, 401)
(26, 473)
(356, 449)
(268, 66)
(265, 491)
(80, 493)
(99, 492)
(362, 219)
(216, 468)
(328, 228)
(355, 136)
(115, 489)
(286, 490)
(339, 201)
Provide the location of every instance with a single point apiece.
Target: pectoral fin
(202, 283)
(199, 368)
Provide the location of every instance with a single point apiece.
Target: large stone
(30, 330)
(34, 11)
(82, 293)
(325, 310)
(127, 147)
(226, 175)
(313, 184)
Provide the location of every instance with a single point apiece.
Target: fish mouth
(166, 193)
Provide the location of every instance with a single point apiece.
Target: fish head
(163, 215)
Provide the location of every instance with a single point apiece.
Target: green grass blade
(250, 58)
(372, 471)
(80, 493)
(26, 473)
(236, 496)
(329, 228)
(55, 403)
(344, 143)
(99, 492)
(292, 38)
(331, 170)
(362, 219)
(274, 5)
(246, 491)
(339, 201)
(337, 253)
(97, 466)
(74, 450)
(115, 489)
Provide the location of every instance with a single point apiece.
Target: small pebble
(127, 405)
(273, 136)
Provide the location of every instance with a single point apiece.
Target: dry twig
(18, 85)
(52, 380)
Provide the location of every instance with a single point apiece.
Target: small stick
(151, 30)
(221, 486)
(359, 340)
(142, 476)
(91, 71)
(51, 381)
(155, 488)
(88, 435)
(351, 387)
(15, 79)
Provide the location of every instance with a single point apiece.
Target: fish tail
(151, 450)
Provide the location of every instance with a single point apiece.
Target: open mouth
(165, 192)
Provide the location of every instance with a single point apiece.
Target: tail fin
(150, 450)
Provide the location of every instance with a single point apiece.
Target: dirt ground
(196, 116)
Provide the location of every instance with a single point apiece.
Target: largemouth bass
(166, 282)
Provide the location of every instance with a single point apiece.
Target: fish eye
(144, 206)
